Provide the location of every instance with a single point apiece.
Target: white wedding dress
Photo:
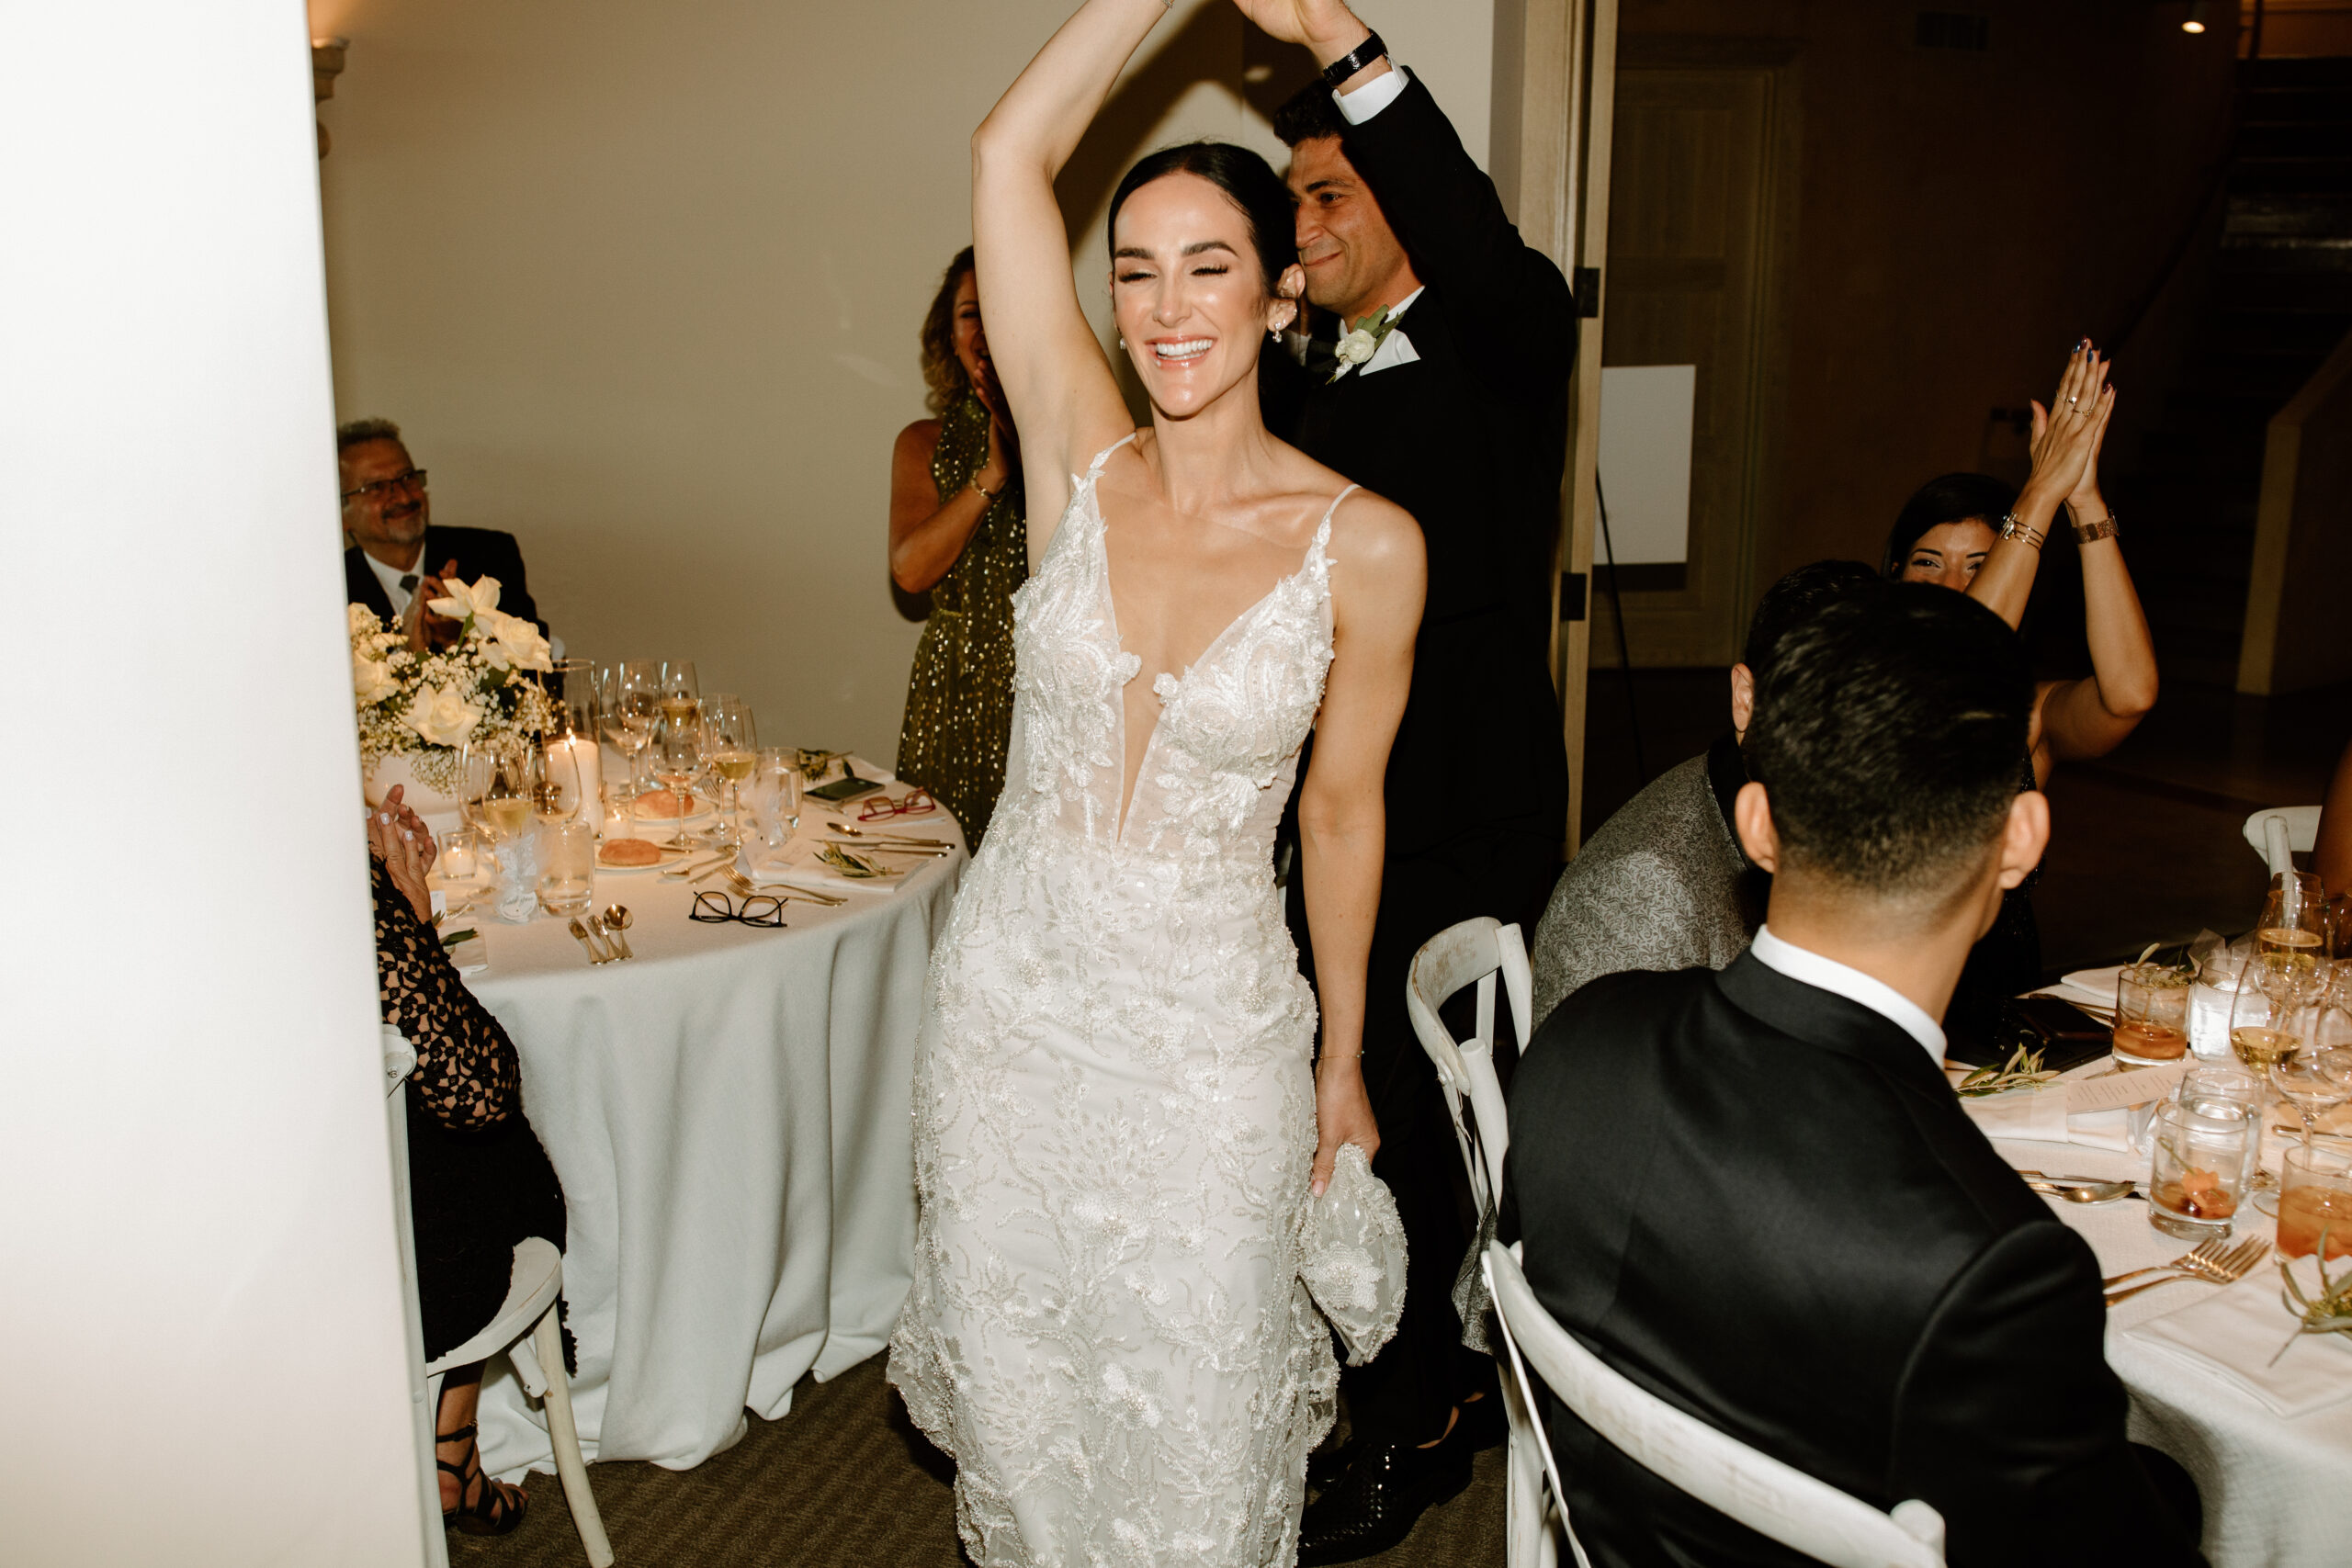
(1114, 1105)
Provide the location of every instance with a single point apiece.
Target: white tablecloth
(729, 1115)
(2277, 1492)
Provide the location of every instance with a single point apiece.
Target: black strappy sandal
(489, 1514)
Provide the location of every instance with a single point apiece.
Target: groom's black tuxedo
(479, 552)
(1470, 438)
(1761, 1202)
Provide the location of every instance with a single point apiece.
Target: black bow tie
(407, 583)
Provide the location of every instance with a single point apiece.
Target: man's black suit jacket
(1761, 1202)
(479, 552)
(1471, 440)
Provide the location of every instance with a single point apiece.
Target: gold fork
(2226, 1269)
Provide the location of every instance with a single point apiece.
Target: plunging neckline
(1315, 548)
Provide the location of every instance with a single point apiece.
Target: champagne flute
(734, 747)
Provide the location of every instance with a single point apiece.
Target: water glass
(567, 865)
(2315, 1194)
(775, 795)
(2205, 1152)
(2151, 1014)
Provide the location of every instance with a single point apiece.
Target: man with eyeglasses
(387, 517)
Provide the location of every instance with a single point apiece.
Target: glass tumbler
(2315, 1198)
(2205, 1150)
(2151, 1014)
(567, 865)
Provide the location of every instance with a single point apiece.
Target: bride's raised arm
(1063, 399)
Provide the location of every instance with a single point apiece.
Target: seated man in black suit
(388, 518)
(1752, 1191)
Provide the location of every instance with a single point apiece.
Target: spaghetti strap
(1094, 469)
(1323, 534)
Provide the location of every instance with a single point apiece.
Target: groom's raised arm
(1451, 222)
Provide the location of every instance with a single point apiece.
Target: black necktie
(407, 583)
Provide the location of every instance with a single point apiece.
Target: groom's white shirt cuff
(1810, 968)
(1373, 95)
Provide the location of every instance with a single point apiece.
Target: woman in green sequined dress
(956, 529)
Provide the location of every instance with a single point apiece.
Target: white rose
(442, 715)
(370, 681)
(466, 600)
(517, 640)
(1356, 347)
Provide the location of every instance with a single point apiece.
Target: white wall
(201, 1334)
(642, 283)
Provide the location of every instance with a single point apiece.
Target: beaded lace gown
(1114, 1105)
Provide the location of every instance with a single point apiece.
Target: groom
(1452, 402)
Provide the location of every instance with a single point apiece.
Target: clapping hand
(399, 837)
(427, 631)
(2067, 435)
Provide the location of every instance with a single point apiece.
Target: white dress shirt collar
(1810, 968)
(389, 576)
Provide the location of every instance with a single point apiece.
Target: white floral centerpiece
(425, 706)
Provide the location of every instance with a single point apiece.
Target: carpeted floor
(843, 1481)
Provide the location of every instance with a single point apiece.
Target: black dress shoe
(1374, 1504)
(1326, 1466)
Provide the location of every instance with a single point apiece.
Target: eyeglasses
(717, 909)
(882, 807)
(376, 489)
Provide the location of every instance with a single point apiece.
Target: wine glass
(678, 756)
(2293, 931)
(2272, 1010)
(633, 707)
(733, 744)
(512, 788)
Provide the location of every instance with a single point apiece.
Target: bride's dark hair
(1247, 180)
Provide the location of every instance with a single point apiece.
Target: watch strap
(2105, 529)
(1356, 60)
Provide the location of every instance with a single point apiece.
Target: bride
(1117, 1120)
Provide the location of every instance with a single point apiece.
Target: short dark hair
(1947, 497)
(1889, 735)
(1247, 180)
(353, 432)
(1796, 599)
(1307, 113)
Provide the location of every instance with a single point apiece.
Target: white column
(200, 1329)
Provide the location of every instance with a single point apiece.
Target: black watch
(1356, 60)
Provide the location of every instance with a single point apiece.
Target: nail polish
(2081, 345)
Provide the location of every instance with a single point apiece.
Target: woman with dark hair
(1118, 1116)
(957, 530)
(1971, 533)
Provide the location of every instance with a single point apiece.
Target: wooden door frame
(1555, 177)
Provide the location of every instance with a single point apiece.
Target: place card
(2117, 1090)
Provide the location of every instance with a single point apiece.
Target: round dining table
(730, 1112)
(2276, 1488)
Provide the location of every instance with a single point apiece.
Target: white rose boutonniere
(1359, 346)
(442, 715)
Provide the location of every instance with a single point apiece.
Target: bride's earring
(1123, 346)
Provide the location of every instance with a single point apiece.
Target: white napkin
(2094, 984)
(2040, 1115)
(2231, 1334)
(797, 865)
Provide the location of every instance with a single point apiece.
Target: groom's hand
(1327, 27)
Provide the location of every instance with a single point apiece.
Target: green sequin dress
(959, 699)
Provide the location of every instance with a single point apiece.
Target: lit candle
(575, 770)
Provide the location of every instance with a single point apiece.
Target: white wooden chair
(1476, 951)
(528, 1314)
(2302, 830)
(1772, 1499)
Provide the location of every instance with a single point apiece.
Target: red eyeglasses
(881, 809)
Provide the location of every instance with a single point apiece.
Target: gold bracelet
(2105, 529)
(2015, 527)
(982, 488)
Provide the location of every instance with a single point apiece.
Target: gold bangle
(982, 488)
(2105, 529)
(2015, 527)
